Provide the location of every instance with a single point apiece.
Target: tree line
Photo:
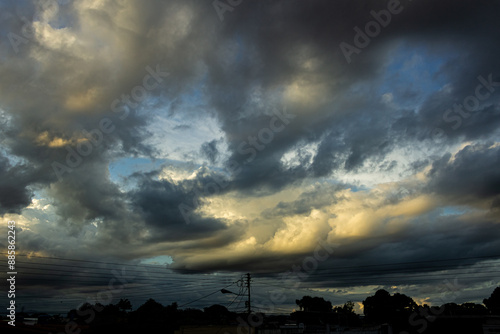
(398, 310)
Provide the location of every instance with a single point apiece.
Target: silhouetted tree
(124, 305)
(314, 304)
(151, 308)
(377, 308)
(382, 307)
(473, 309)
(493, 303)
(316, 310)
(110, 311)
(72, 315)
(345, 309)
(191, 316)
(152, 316)
(87, 312)
(172, 308)
(171, 314)
(346, 315)
(217, 314)
(85, 306)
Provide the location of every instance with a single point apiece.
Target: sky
(185, 143)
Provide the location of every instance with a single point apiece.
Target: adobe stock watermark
(372, 29)
(3, 125)
(222, 6)
(293, 278)
(103, 297)
(421, 317)
(27, 33)
(94, 138)
(251, 147)
(470, 104)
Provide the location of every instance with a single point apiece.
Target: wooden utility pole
(249, 306)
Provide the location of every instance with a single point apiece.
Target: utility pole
(249, 306)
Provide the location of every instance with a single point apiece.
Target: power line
(206, 295)
(325, 268)
(110, 263)
(316, 272)
(203, 281)
(208, 277)
(391, 264)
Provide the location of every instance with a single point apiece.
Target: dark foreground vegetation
(382, 311)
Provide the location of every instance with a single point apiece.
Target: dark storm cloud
(14, 191)
(88, 195)
(247, 65)
(458, 112)
(321, 26)
(86, 85)
(318, 198)
(264, 56)
(329, 156)
(269, 55)
(265, 175)
(209, 150)
(421, 255)
(169, 210)
(472, 175)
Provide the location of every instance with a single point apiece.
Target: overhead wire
(206, 295)
(316, 271)
(153, 280)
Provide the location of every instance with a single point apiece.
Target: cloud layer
(237, 140)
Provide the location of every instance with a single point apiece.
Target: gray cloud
(472, 174)
(378, 115)
(209, 150)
